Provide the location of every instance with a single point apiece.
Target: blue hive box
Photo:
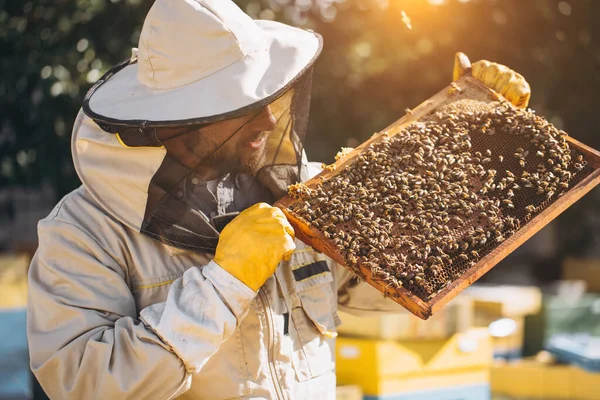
(582, 350)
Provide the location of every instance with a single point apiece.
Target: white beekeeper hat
(201, 61)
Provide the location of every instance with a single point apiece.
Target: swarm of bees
(420, 208)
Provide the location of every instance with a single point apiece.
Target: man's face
(229, 146)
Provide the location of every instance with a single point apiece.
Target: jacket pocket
(315, 319)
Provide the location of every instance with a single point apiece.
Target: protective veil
(182, 209)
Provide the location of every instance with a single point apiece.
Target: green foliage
(371, 69)
(51, 53)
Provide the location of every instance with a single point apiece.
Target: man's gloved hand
(252, 245)
(498, 77)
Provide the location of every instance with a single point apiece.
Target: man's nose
(265, 120)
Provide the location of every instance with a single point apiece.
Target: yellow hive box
(530, 379)
(13, 281)
(508, 335)
(587, 270)
(456, 317)
(348, 392)
(418, 369)
(502, 309)
(505, 301)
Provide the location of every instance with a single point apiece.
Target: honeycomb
(422, 207)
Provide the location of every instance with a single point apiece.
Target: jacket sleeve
(86, 340)
(359, 298)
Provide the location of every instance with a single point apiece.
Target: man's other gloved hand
(252, 245)
(498, 77)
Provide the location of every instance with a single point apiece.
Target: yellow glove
(252, 245)
(498, 77)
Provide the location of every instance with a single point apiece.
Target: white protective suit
(115, 314)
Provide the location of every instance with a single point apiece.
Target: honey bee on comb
(424, 206)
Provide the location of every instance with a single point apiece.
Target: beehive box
(456, 317)
(447, 369)
(13, 281)
(348, 392)
(584, 269)
(427, 206)
(493, 302)
(503, 310)
(530, 379)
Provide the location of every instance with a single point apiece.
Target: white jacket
(114, 314)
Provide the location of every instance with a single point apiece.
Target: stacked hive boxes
(585, 269)
(530, 379)
(502, 309)
(13, 281)
(458, 316)
(395, 357)
(14, 356)
(348, 392)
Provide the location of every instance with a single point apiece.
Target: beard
(234, 158)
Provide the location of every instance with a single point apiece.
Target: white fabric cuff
(235, 292)
(202, 310)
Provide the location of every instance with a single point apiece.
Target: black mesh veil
(214, 170)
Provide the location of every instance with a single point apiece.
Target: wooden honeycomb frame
(464, 88)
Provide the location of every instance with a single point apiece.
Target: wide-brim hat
(201, 61)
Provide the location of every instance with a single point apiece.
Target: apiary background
(372, 67)
(470, 91)
(457, 317)
(14, 356)
(442, 369)
(532, 379)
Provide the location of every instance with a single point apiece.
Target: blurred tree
(52, 51)
(372, 68)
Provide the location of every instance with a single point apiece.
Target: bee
(453, 89)
(508, 203)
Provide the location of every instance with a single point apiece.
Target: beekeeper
(167, 273)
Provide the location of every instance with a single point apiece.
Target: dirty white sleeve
(202, 310)
(85, 338)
